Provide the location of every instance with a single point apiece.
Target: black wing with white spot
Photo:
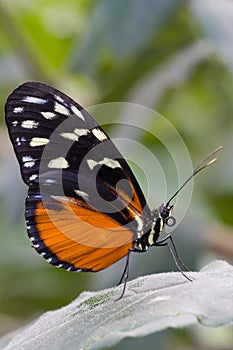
(50, 131)
(34, 111)
(65, 156)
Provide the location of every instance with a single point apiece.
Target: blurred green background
(172, 56)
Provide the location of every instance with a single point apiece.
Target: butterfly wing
(84, 206)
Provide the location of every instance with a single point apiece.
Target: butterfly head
(165, 212)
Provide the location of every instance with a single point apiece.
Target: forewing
(68, 161)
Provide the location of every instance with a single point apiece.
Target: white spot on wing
(77, 112)
(59, 98)
(92, 163)
(50, 181)
(58, 163)
(38, 141)
(33, 177)
(61, 109)
(99, 134)
(75, 135)
(81, 132)
(111, 163)
(28, 161)
(82, 194)
(33, 99)
(48, 115)
(37, 196)
(18, 109)
(29, 124)
(20, 140)
(69, 136)
(15, 123)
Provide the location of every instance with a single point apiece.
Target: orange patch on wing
(134, 205)
(80, 236)
(135, 202)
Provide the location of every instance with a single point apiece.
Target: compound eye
(171, 221)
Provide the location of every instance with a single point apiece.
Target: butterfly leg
(124, 276)
(175, 256)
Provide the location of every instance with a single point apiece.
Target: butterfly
(84, 209)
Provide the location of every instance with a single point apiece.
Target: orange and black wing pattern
(84, 207)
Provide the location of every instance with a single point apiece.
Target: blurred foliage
(173, 56)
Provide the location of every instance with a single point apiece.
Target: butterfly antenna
(202, 165)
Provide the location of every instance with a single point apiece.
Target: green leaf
(151, 303)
